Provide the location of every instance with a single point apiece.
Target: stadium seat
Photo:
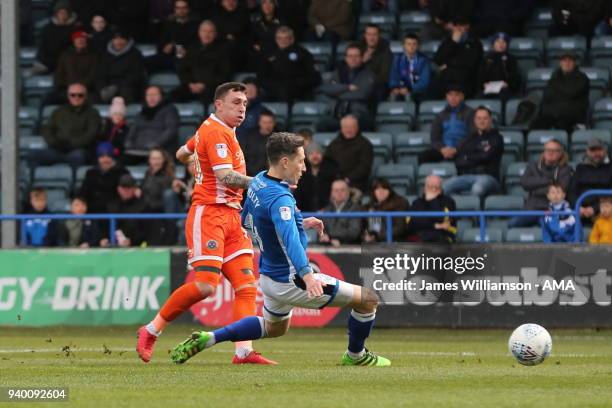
(443, 169)
(190, 113)
(514, 143)
(147, 50)
(494, 105)
(340, 49)
(29, 143)
(395, 117)
(280, 111)
(28, 120)
(103, 110)
(132, 110)
(80, 176)
(138, 172)
(537, 138)
(324, 138)
(307, 114)
(396, 47)
(537, 26)
(57, 201)
(531, 234)
(429, 48)
(513, 175)
(385, 21)
(185, 132)
(179, 172)
(27, 56)
(321, 52)
(397, 174)
(382, 143)
(528, 51)
(503, 203)
(599, 82)
(556, 46)
(537, 79)
(580, 139)
(58, 176)
(408, 145)
(167, 81)
(466, 202)
(601, 51)
(473, 235)
(412, 22)
(242, 76)
(35, 89)
(427, 111)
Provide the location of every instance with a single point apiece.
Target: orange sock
(244, 306)
(179, 301)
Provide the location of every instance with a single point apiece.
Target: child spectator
(602, 230)
(410, 72)
(78, 233)
(38, 232)
(557, 228)
(115, 128)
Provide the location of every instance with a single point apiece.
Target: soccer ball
(530, 344)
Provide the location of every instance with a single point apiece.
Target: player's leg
(205, 257)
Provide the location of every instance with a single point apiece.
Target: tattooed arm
(231, 178)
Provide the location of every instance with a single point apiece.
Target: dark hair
(228, 87)
(305, 133)
(37, 191)
(79, 197)
(353, 45)
(282, 144)
(371, 25)
(556, 185)
(484, 108)
(384, 183)
(412, 36)
(605, 199)
(267, 112)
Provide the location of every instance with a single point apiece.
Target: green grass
(431, 368)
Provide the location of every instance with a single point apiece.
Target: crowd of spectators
(90, 49)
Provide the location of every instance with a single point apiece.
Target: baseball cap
(595, 143)
(127, 181)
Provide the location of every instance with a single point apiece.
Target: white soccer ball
(530, 344)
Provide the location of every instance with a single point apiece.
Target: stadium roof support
(9, 37)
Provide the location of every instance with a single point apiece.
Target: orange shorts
(215, 241)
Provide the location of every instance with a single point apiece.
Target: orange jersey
(216, 148)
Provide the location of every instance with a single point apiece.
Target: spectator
(79, 233)
(70, 132)
(602, 230)
(458, 58)
(312, 193)
(384, 198)
(155, 126)
(499, 75)
(449, 127)
(433, 229)
(351, 87)
(377, 57)
(389, 6)
(99, 34)
(341, 230)
(76, 65)
(55, 38)
(178, 32)
(178, 198)
(594, 172)
(87, 9)
(158, 178)
(307, 135)
(330, 20)
(204, 67)
(410, 72)
(566, 97)
(264, 27)
(131, 232)
(605, 26)
(234, 25)
(122, 70)
(506, 16)
(352, 152)
(254, 109)
(478, 159)
(38, 232)
(253, 144)
(100, 184)
(557, 228)
(115, 128)
(288, 72)
(572, 17)
(552, 167)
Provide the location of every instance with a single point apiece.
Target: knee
(276, 329)
(247, 292)
(205, 289)
(369, 301)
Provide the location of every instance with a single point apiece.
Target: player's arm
(231, 178)
(185, 153)
(282, 213)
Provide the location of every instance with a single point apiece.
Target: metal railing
(481, 215)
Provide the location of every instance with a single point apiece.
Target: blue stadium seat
(537, 79)
(324, 138)
(429, 48)
(103, 110)
(512, 178)
(57, 201)
(382, 143)
(473, 235)
(537, 138)
(503, 203)
(599, 82)
(28, 120)
(427, 111)
(167, 81)
(58, 176)
(514, 143)
(27, 56)
(387, 23)
(580, 139)
(321, 52)
(529, 52)
(408, 145)
(443, 169)
(307, 114)
(510, 112)
(556, 46)
(412, 22)
(601, 51)
(185, 132)
(395, 117)
(241, 76)
(466, 202)
(340, 49)
(397, 174)
(36, 87)
(494, 105)
(132, 110)
(531, 234)
(80, 176)
(138, 172)
(396, 47)
(147, 50)
(190, 113)
(537, 26)
(280, 111)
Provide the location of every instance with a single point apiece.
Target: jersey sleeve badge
(221, 150)
(285, 213)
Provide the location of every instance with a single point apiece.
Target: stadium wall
(127, 286)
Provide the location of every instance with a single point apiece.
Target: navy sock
(359, 328)
(248, 328)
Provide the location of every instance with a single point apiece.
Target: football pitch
(431, 368)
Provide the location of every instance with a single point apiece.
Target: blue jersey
(276, 227)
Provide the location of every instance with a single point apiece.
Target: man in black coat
(312, 193)
(55, 38)
(288, 72)
(566, 97)
(478, 159)
(458, 58)
(131, 232)
(594, 172)
(253, 143)
(204, 67)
